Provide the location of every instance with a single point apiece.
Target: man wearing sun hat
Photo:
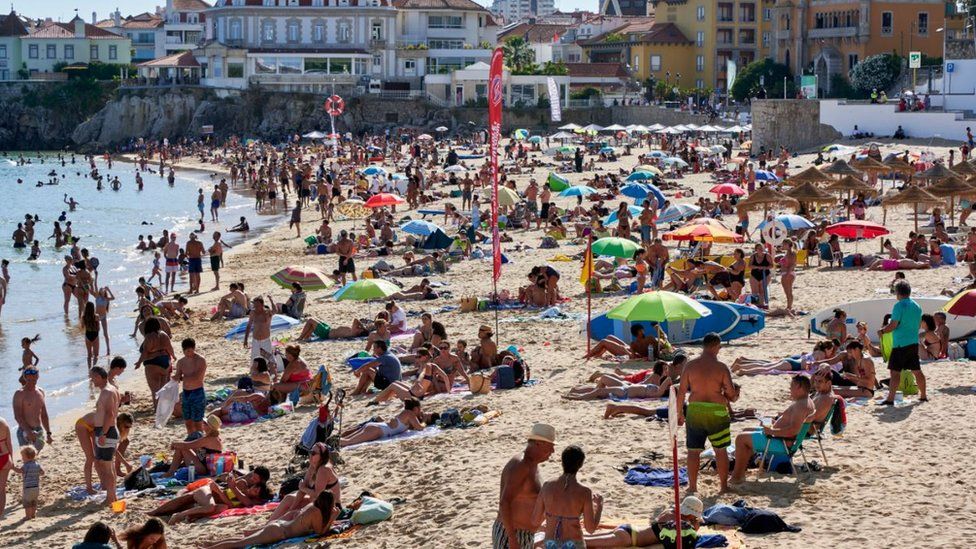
(520, 485)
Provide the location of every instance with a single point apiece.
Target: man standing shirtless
(106, 431)
(520, 486)
(191, 369)
(260, 323)
(30, 412)
(171, 251)
(216, 252)
(194, 257)
(346, 248)
(710, 383)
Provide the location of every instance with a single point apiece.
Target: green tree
(747, 81)
(878, 71)
(557, 68)
(519, 57)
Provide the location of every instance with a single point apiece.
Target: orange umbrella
(703, 233)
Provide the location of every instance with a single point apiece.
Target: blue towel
(727, 515)
(711, 540)
(643, 475)
(358, 362)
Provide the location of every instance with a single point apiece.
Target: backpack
(289, 485)
(450, 418)
(139, 480)
(521, 370)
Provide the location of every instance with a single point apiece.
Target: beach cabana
(915, 196)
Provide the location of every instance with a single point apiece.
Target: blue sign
(950, 67)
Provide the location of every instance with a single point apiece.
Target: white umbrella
(457, 168)
(570, 127)
(614, 128)
(707, 128)
(639, 129)
(680, 128)
(691, 126)
(655, 127)
(314, 135)
(672, 131)
(734, 129)
(440, 129)
(425, 136)
(592, 128)
(562, 135)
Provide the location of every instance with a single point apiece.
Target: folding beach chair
(797, 446)
(818, 428)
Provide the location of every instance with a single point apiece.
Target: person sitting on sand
(863, 377)
(260, 375)
(563, 502)
(930, 343)
(485, 354)
(380, 372)
(451, 364)
(194, 453)
(244, 404)
(661, 531)
(626, 391)
(409, 418)
(295, 306)
(429, 378)
(205, 497)
(784, 428)
(313, 519)
(640, 347)
(420, 267)
(296, 373)
(233, 305)
(320, 477)
(241, 227)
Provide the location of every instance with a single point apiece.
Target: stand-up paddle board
(728, 320)
(872, 312)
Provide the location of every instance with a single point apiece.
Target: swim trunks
(759, 441)
(172, 265)
(215, 263)
(259, 345)
(106, 451)
(38, 443)
(194, 404)
(499, 537)
(707, 420)
(195, 264)
(347, 265)
(904, 358)
(322, 330)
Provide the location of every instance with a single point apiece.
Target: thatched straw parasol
(964, 170)
(807, 193)
(951, 188)
(937, 172)
(809, 175)
(898, 164)
(911, 195)
(870, 165)
(841, 168)
(766, 197)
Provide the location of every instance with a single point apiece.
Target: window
(341, 65)
(359, 66)
(767, 14)
(445, 22)
(316, 65)
(481, 91)
(318, 32)
(700, 39)
(851, 61)
(923, 23)
(655, 63)
(344, 32)
(113, 52)
(636, 64)
(266, 65)
(377, 60)
(523, 94)
(700, 63)
(235, 30)
(376, 31)
(32, 51)
(293, 31)
(3, 51)
(699, 84)
(69, 52)
(52, 51)
(192, 18)
(267, 31)
(700, 13)
(410, 64)
(289, 65)
(887, 18)
(235, 70)
(444, 44)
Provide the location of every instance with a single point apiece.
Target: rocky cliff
(43, 115)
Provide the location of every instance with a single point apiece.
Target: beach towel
(727, 515)
(276, 411)
(428, 432)
(644, 475)
(245, 511)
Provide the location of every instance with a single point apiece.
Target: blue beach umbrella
(640, 176)
(374, 170)
(606, 150)
(792, 222)
(658, 154)
(612, 218)
(640, 191)
(419, 227)
(677, 212)
(578, 190)
(766, 175)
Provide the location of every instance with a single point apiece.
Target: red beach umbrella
(384, 199)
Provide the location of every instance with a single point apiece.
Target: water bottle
(191, 474)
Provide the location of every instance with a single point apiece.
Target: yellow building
(663, 53)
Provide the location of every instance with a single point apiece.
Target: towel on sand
(644, 475)
(244, 511)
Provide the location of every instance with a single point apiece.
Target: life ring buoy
(334, 105)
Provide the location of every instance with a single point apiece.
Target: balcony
(783, 34)
(835, 32)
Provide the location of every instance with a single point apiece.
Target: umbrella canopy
(535, 139)
(425, 137)
(366, 289)
(766, 197)
(384, 199)
(634, 190)
(657, 154)
(766, 175)
(792, 222)
(857, 228)
(591, 128)
(617, 247)
(562, 135)
(808, 192)
(419, 227)
(314, 135)
(677, 212)
(868, 164)
(809, 175)
(354, 209)
(964, 170)
(612, 218)
(640, 176)
(728, 188)
(456, 168)
(614, 128)
(841, 168)
(648, 168)
(674, 160)
(937, 172)
(898, 164)
(520, 134)
(703, 233)
(309, 277)
(606, 150)
(655, 127)
(374, 170)
(557, 182)
(570, 127)
(659, 306)
(911, 195)
(962, 304)
(951, 188)
(851, 185)
(440, 129)
(506, 196)
(578, 190)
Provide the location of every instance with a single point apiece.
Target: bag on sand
(469, 304)
(372, 511)
(139, 480)
(479, 384)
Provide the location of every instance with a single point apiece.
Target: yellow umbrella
(506, 196)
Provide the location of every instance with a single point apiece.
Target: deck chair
(825, 254)
(797, 446)
(818, 428)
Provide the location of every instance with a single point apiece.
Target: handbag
(479, 384)
(469, 304)
(139, 480)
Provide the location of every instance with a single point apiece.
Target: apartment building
(74, 42)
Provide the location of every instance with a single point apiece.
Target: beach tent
(438, 240)
(557, 182)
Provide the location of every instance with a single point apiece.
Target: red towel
(243, 511)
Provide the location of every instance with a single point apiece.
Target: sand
(892, 473)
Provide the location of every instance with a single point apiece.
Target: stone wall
(791, 123)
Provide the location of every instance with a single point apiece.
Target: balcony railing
(835, 32)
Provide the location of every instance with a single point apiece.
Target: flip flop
(887, 403)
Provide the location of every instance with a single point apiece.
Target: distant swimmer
(116, 184)
(70, 202)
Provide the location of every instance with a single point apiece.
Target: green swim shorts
(707, 420)
(322, 330)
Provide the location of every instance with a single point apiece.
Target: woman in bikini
(409, 418)
(863, 377)
(787, 265)
(103, 299)
(380, 333)
(627, 390)
(313, 519)
(836, 328)
(315, 327)
(320, 477)
(430, 380)
(70, 282)
(194, 453)
(930, 344)
(157, 353)
(564, 502)
(85, 286)
(90, 321)
(296, 371)
(760, 263)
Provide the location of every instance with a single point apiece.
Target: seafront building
(76, 42)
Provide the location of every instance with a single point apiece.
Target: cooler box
(506, 377)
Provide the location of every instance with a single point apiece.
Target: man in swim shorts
(259, 325)
(106, 431)
(30, 411)
(194, 257)
(171, 251)
(709, 382)
(190, 370)
(520, 486)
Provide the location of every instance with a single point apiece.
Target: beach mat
(246, 511)
(426, 433)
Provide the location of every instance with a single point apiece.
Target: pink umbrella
(857, 229)
(728, 188)
(384, 199)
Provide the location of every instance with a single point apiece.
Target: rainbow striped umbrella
(309, 277)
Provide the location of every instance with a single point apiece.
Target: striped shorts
(499, 539)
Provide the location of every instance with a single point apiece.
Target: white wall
(960, 85)
(883, 120)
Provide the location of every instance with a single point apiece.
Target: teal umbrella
(366, 289)
(615, 247)
(578, 190)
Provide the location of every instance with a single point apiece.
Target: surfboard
(278, 322)
(729, 320)
(872, 312)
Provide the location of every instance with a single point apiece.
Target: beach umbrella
(655, 127)
(366, 289)
(951, 188)
(658, 306)
(607, 150)
(612, 218)
(766, 175)
(591, 128)
(857, 228)
(717, 149)
(841, 168)
(506, 196)
(869, 165)
(809, 175)
(766, 197)
(614, 128)
(807, 192)
(913, 195)
(354, 209)
(314, 135)
(648, 168)
(309, 277)
(384, 199)
(898, 164)
(792, 222)
(646, 188)
(728, 188)
(456, 168)
(520, 134)
(374, 170)
(937, 172)
(677, 212)
(623, 248)
(962, 304)
(638, 129)
(657, 154)
(535, 139)
(557, 182)
(561, 135)
(964, 170)
(674, 160)
(440, 129)
(578, 190)
(851, 185)
(565, 149)
(425, 137)
(704, 232)
(570, 127)
(419, 227)
(640, 176)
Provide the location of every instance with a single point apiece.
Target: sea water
(108, 223)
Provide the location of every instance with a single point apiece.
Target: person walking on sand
(194, 258)
(171, 251)
(30, 412)
(520, 487)
(106, 431)
(296, 218)
(191, 370)
(216, 252)
(707, 382)
(906, 318)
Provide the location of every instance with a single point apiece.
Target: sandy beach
(892, 473)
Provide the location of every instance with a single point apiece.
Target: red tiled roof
(182, 60)
(664, 33)
(190, 5)
(67, 30)
(301, 3)
(11, 25)
(596, 70)
(534, 33)
(461, 5)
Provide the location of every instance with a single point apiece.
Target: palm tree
(518, 55)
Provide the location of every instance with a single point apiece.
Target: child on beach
(29, 359)
(32, 471)
(156, 270)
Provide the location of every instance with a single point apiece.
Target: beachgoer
(514, 527)
(408, 419)
(563, 502)
(906, 317)
(106, 431)
(191, 370)
(30, 412)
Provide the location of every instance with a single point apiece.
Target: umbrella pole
(589, 294)
(916, 217)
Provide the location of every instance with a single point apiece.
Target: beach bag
(139, 480)
(450, 418)
(218, 464)
(479, 384)
(289, 485)
(955, 351)
(548, 243)
(371, 511)
(166, 399)
(506, 377)
(907, 384)
(838, 421)
(521, 370)
(469, 304)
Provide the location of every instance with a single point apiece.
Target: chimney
(94, 18)
(79, 24)
(117, 17)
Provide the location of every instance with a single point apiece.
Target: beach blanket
(278, 323)
(347, 531)
(552, 314)
(644, 475)
(78, 493)
(276, 411)
(428, 432)
(406, 334)
(245, 511)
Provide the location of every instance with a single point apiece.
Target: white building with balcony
(513, 11)
(298, 45)
(439, 36)
(184, 25)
